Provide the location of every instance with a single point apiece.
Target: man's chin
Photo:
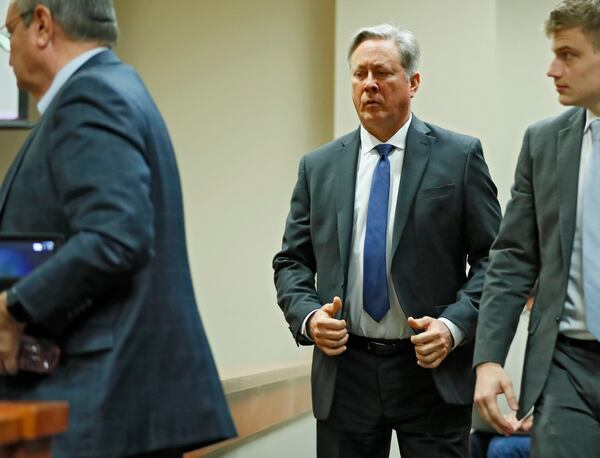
(566, 100)
(370, 117)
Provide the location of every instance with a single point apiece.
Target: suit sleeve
(513, 270)
(103, 183)
(295, 264)
(481, 218)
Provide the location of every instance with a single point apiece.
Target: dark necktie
(591, 234)
(375, 292)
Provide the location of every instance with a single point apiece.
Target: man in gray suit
(386, 219)
(551, 231)
(99, 170)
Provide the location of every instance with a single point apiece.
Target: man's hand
(520, 426)
(434, 344)
(10, 339)
(329, 334)
(492, 380)
(525, 424)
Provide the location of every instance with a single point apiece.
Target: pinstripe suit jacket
(136, 367)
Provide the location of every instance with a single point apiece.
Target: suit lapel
(568, 159)
(345, 182)
(416, 156)
(13, 169)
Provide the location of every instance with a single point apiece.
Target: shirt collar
(369, 142)
(589, 118)
(63, 75)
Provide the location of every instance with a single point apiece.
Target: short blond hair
(576, 13)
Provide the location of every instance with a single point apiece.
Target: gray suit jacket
(136, 367)
(447, 214)
(535, 240)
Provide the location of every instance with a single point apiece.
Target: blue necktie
(591, 234)
(375, 292)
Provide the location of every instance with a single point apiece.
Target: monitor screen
(20, 255)
(13, 103)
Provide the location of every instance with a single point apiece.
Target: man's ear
(415, 82)
(43, 24)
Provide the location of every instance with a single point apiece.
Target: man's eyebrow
(564, 48)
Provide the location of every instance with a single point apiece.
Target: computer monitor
(20, 254)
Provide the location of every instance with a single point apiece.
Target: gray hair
(81, 20)
(576, 13)
(409, 51)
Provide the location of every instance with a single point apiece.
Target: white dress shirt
(573, 321)
(394, 324)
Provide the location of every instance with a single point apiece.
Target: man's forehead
(375, 50)
(570, 37)
(377, 43)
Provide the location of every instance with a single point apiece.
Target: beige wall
(525, 94)
(245, 88)
(10, 141)
(483, 68)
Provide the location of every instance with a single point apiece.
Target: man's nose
(555, 69)
(371, 83)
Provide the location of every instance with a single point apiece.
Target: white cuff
(457, 333)
(303, 328)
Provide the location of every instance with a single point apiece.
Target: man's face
(380, 91)
(575, 69)
(21, 48)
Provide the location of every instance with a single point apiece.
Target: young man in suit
(99, 169)
(386, 218)
(551, 232)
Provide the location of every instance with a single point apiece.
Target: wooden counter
(26, 428)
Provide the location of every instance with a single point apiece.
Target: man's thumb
(333, 308)
(419, 323)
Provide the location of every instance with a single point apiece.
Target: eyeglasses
(5, 35)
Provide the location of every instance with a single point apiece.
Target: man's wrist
(456, 334)
(304, 330)
(486, 365)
